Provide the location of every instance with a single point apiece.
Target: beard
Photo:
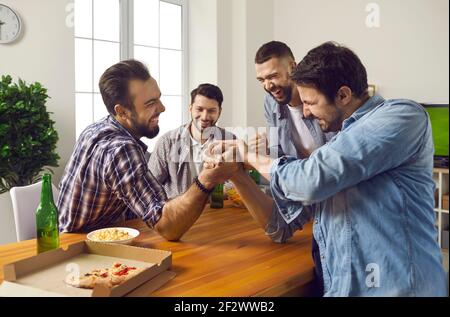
(331, 127)
(205, 132)
(325, 127)
(149, 133)
(143, 129)
(287, 92)
(332, 123)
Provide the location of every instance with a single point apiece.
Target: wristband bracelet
(201, 187)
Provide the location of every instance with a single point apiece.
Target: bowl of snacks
(114, 235)
(232, 195)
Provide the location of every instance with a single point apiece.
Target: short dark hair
(115, 81)
(271, 50)
(208, 91)
(329, 67)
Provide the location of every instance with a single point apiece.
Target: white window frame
(126, 41)
(127, 51)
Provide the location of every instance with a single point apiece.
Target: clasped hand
(221, 153)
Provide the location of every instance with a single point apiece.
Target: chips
(111, 235)
(233, 195)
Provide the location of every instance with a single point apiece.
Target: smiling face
(274, 76)
(329, 115)
(143, 120)
(205, 113)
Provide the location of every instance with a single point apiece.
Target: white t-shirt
(196, 162)
(301, 136)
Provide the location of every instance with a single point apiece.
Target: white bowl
(133, 233)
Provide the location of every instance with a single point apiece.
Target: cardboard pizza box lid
(46, 272)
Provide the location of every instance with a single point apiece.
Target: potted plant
(27, 141)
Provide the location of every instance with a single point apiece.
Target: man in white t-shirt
(293, 131)
(296, 134)
(301, 136)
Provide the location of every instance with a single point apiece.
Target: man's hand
(214, 174)
(221, 152)
(259, 144)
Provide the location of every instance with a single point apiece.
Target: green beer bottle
(47, 218)
(254, 174)
(217, 197)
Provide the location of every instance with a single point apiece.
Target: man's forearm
(258, 203)
(181, 213)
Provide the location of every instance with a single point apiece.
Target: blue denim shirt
(371, 192)
(280, 137)
(281, 143)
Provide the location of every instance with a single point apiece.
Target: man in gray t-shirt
(176, 159)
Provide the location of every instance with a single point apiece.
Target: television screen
(439, 121)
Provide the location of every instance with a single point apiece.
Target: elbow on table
(171, 237)
(280, 236)
(278, 240)
(166, 233)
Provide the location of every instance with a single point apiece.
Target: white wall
(407, 57)
(202, 42)
(44, 53)
(231, 31)
(260, 30)
(232, 54)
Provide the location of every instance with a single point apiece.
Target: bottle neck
(47, 193)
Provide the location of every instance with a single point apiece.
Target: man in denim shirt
(371, 187)
(291, 131)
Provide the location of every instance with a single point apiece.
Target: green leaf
(4, 151)
(27, 135)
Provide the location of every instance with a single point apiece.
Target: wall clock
(10, 25)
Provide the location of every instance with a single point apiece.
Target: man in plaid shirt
(108, 176)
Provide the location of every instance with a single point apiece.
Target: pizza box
(44, 274)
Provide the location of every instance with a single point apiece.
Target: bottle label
(47, 239)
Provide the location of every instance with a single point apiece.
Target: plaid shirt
(107, 178)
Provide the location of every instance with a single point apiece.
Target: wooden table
(225, 254)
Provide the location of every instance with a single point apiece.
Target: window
(152, 31)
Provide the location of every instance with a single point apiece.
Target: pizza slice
(109, 277)
(121, 273)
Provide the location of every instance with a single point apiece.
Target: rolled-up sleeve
(287, 216)
(279, 231)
